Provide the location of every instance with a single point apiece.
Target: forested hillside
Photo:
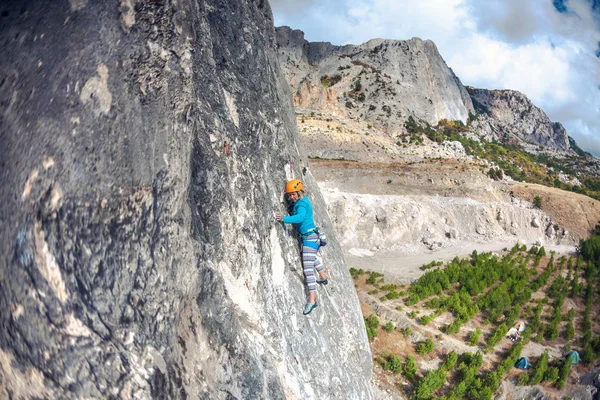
(445, 336)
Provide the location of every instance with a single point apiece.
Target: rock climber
(302, 217)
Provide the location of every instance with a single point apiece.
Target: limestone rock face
(381, 81)
(431, 221)
(509, 116)
(143, 152)
(384, 82)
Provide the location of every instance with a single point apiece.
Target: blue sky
(546, 49)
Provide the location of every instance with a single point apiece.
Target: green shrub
(477, 359)
(389, 327)
(371, 323)
(406, 331)
(355, 273)
(426, 347)
(570, 315)
(431, 382)
(328, 81)
(496, 336)
(393, 363)
(452, 328)
(570, 332)
(551, 331)
(551, 374)
(496, 174)
(587, 357)
(540, 369)
(590, 249)
(373, 276)
(412, 299)
(474, 337)
(523, 379)
(371, 333)
(450, 362)
(432, 264)
(410, 368)
(563, 373)
(534, 250)
(393, 295)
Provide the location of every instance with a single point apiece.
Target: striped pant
(310, 260)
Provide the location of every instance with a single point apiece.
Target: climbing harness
(308, 233)
(321, 235)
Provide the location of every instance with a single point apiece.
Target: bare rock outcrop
(510, 117)
(584, 386)
(143, 149)
(431, 222)
(385, 82)
(381, 81)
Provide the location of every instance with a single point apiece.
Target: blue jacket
(302, 216)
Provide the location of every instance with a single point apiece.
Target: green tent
(574, 356)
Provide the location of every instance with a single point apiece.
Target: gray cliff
(398, 79)
(139, 255)
(404, 78)
(509, 116)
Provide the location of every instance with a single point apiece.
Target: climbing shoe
(309, 307)
(323, 282)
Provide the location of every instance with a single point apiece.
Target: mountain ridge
(501, 111)
(411, 79)
(364, 63)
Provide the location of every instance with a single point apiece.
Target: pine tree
(570, 333)
(410, 367)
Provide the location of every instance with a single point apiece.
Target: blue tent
(574, 356)
(522, 363)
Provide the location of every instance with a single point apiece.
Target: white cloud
(538, 69)
(586, 139)
(290, 7)
(524, 45)
(357, 21)
(405, 19)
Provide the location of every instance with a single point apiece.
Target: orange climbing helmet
(294, 186)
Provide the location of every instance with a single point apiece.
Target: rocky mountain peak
(380, 81)
(508, 115)
(384, 82)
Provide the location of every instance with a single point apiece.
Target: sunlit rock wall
(398, 79)
(509, 116)
(143, 151)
